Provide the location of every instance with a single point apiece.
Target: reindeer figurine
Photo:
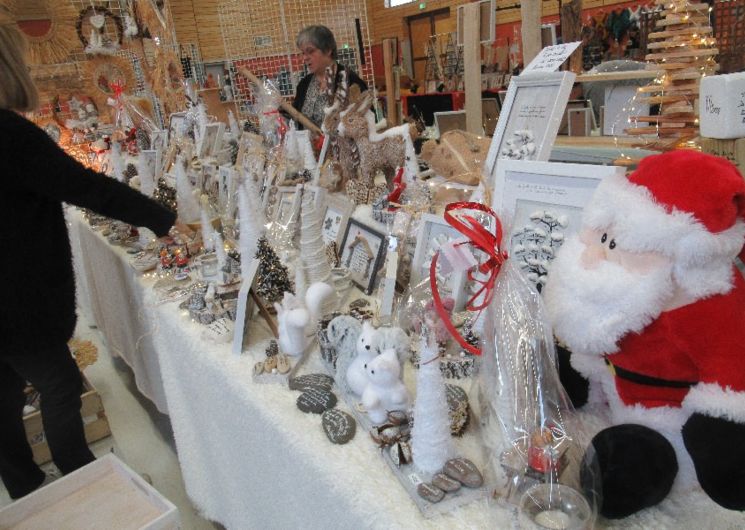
(341, 150)
(377, 151)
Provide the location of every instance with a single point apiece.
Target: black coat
(302, 86)
(38, 306)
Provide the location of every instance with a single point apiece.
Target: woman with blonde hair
(38, 317)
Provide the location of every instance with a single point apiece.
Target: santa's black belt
(647, 380)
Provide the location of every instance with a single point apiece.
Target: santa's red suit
(693, 346)
(672, 369)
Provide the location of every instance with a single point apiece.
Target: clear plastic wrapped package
(529, 427)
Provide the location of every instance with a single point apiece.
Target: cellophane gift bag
(529, 427)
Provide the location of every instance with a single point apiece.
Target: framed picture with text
(362, 253)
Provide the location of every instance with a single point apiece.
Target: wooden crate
(94, 418)
(733, 150)
(104, 494)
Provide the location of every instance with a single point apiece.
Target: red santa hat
(684, 204)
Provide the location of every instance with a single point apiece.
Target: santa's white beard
(592, 309)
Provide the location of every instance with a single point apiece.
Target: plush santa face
(598, 292)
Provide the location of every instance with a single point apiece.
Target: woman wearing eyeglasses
(318, 46)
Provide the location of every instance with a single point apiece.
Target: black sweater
(38, 308)
(302, 86)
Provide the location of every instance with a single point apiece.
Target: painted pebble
(429, 492)
(316, 400)
(458, 405)
(339, 426)
(283, 364)
(464, 471)
(259, 368)
(319, 381)
(445, 483)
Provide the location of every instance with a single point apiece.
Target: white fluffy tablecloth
(249, 457)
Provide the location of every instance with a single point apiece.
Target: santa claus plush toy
(650, 309)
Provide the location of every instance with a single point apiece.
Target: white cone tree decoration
(222, 257)
(250, 229)
(312, 249)
(116, 162)
(147, 179)
(431, 443)
(188, 207)
(207, 239)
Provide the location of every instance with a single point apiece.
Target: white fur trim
(703, 259)
(713, 400)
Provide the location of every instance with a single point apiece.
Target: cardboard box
(104, 494)
(94, 418)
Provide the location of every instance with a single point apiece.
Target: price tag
(551, 57)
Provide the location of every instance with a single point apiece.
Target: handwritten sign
(551, 57)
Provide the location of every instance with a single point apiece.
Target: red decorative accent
(398, 188)
(486, 242)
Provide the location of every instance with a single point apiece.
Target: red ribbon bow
(485, 241)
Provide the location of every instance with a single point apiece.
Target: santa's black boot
(636, 467)
(717, 448)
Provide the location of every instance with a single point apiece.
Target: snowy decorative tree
(147, 179)
(116, 162)
(272, 277)
(312, 250)
(188, 207)
(222, 257)
(235, 129)
(535, 245)
(207, 239)
(431, 443)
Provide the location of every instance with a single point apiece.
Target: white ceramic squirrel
(368, 345)
(367, 349)
(296, 316)
(384, 391)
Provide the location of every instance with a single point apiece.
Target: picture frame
(433, 233)
(449, 121)
(318, 195)
(362, 253)
(159, 140)
(546, 195)
(287, 201)
(488, 22)
(211, 141)
(175, 121)
(335, 218)
(227, 180)
(579, 122)
(489, 115)
(530, 118)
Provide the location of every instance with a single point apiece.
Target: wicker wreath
(167, 81)
(54, 45)
(93, 10)
(101, 72)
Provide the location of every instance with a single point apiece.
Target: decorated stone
(459, 409)
(338, 426)
(259, 368)
(429, 492)
(317, 381)
(283, 364)
(316, 400)
(445, 483)
(464, 471)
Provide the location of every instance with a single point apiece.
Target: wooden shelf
(618, 76)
